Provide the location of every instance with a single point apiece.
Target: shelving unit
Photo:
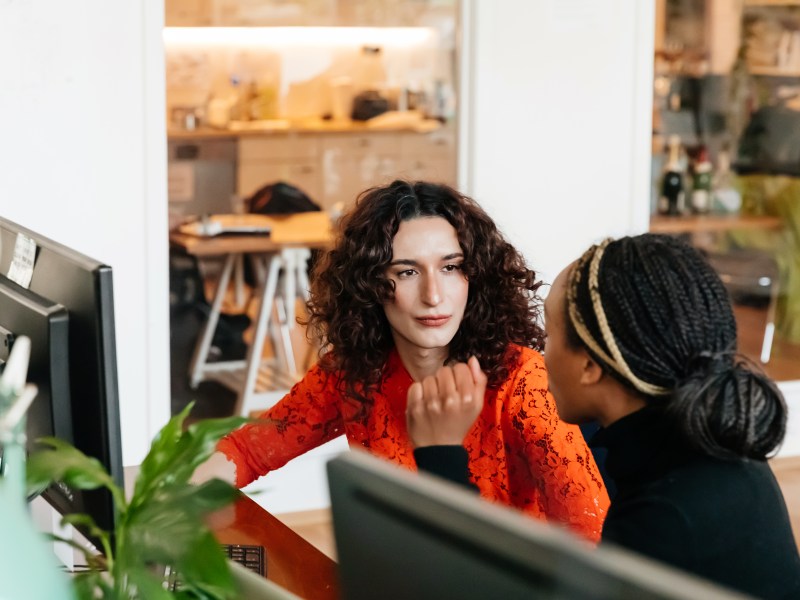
(773, 71)
(772, 2)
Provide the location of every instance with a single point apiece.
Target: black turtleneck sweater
(723, 520)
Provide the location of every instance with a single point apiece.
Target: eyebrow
(413, 263)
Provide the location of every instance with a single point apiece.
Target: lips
(433, 320)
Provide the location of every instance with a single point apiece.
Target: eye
(451, 268)
(406, 273)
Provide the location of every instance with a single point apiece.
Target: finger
(478, 376)
(465, 384)
(447, 387)
(430, 392)
(414, 403)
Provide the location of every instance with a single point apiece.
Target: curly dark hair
(349, 286)
(670, 318)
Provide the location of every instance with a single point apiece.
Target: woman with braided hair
(641, 338)
(420, 278)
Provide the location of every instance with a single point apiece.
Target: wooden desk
(282, 254)
(291, 561)
(711, 223)
(302, 230)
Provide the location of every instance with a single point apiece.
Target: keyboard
(251, 557)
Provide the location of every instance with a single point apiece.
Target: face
(430, 288)
(565, 365)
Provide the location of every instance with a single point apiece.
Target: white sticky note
(21, 269)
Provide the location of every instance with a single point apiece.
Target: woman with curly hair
(420, 278)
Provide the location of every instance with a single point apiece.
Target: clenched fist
(441, 409)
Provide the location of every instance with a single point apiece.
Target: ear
(591, 372)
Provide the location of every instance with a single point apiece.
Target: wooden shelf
(772, 2)
(774, 71)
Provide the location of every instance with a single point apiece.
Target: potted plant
(161, 524)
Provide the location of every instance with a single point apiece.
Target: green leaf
(143, 583)
(175, 454)
(204, 569)
(61, 462)
(92, 586)
(167, 526)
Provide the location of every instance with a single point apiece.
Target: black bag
(280, 198)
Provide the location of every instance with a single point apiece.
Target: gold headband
(616, 361)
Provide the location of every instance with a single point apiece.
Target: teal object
(28, 569)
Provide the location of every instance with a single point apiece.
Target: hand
(441, 409)
(216, 467)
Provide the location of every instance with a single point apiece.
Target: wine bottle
(672, 200)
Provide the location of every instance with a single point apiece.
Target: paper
(21, 269)
(180, 181)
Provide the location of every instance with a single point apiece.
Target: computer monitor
(84, 287)
(45, 323)
(405, 535)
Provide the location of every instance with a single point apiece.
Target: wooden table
(280, 254)
(304, 230)
(711, 223)
(291, 562)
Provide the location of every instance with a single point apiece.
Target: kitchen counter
(392, 123)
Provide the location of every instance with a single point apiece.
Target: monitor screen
(403, 535)
(84, 287)
(47, 325)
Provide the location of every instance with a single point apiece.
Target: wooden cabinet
(333, 168)
(290, 158)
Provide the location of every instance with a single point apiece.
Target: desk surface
(292, 562)
(304, 230)
(712, 223)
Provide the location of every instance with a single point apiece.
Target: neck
(421, 362)
(618, 402)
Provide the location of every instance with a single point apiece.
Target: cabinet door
(437, 170)
(351, 163)
(269, 159)
(278, 147)
(430, 156)
(302, 174)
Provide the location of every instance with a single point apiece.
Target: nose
(431, 294)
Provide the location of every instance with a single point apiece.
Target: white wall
(83, 161)
(557, 124)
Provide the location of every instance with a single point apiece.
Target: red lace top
(520, 453)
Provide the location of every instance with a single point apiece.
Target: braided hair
(654, 314)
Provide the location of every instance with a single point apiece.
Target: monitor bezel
(549, 561)
(90, 304)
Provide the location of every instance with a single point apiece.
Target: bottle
(726, 198)
(672, 200)
(701, 183)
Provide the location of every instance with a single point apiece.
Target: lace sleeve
(555, 455)
(308, 416)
